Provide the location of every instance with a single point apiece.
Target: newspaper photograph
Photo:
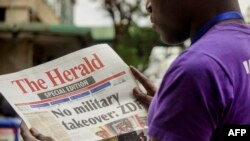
(84, 95)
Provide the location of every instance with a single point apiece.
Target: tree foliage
(121, 13)
(131, 42)
(136, 46)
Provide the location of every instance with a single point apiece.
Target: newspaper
(85, 95)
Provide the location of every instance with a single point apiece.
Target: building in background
(32, 32)
(35, 31)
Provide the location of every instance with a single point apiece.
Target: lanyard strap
(222, 17)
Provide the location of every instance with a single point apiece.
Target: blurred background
(36, 31)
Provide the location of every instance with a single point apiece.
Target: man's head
(177, 20)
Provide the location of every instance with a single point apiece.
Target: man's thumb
(140, 96)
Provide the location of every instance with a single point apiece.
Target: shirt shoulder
(228, 46)
(224, 39)
(194, 63)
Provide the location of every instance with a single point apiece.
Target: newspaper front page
(85, 95)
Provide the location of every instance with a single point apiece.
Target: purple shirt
(207, 87)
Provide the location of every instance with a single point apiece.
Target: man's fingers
(40, 136)
(25, 133)
(35, 133)
(24, 127)
(143, 98)
(144, 81)
(137, 91)
(24, 130)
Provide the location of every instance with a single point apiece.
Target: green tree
(131, 42)
(136, 46)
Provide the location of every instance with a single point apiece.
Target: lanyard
(224, 16)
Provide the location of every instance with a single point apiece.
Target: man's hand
(32, 134)
(151, 89)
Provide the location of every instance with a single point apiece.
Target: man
(207, 87)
